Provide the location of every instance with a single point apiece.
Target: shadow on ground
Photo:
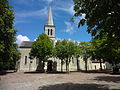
(33, 72)
(108, 78)
(59, 72)
(38, 72)
(6, 72)
(71, 86)
(96, 71)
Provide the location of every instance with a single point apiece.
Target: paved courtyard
(59, 81)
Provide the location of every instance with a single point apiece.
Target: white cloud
(40, 13)
(21, 38)
(48, 1)
(17, 21)
(69, 28)
(68, 9)
(21, 21)
(69, 39)
(71, 10)
(21, 1)
(35, 39)
(83, 16)
(19, 17)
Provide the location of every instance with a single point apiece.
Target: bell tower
(49, 27)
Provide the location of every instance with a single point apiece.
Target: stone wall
(25, 64)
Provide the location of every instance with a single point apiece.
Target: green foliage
(64, 51)
(42, 48)
(103, 20)
(102, 50)
(77, 50)
(60, 49)
(15, 56)
(7, 33)
(86, 51)
(72, 19)
(101, 16)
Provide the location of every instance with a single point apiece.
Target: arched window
(25, 60)
(48, 31)
(51, 31)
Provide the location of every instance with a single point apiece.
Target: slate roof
(26, 44)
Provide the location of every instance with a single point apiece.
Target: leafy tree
(15, 56)
(99, 47)
(102, 48)
(102, 19)
(65, 51)
(77, 54)
(70, 53)
(7, 33)
(86, 51)
(61, 51)
(42, 48)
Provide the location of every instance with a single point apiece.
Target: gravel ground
(59, 81)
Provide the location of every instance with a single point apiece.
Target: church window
(48, 31)
(51, 31)
(25, 60)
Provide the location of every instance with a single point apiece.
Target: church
(26, 64)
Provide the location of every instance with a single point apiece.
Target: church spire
(49, 27)
(50, 18)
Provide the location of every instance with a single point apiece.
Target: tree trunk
(61, 65)
(100, 65)
(78, 65)
(67, 65)
(85, 64)
(43, 66)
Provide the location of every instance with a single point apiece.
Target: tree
(60, 52)
(102, 48)
(99, 48)
(102, 18)
(70, 53)
(77, 54)
(86, 51)
(42, 49)
(65, 51)
(7, 33)
(15, 56)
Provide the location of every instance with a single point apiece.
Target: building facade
(26, 64)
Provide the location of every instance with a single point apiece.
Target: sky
(31, 16)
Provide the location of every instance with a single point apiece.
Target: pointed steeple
(49, 27)
(50, 18)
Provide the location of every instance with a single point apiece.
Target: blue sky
(31, 16)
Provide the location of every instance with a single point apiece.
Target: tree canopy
(7, 33)
(42, 48)
(65, 51)
(102, 18)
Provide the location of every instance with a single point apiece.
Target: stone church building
(26, 64)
